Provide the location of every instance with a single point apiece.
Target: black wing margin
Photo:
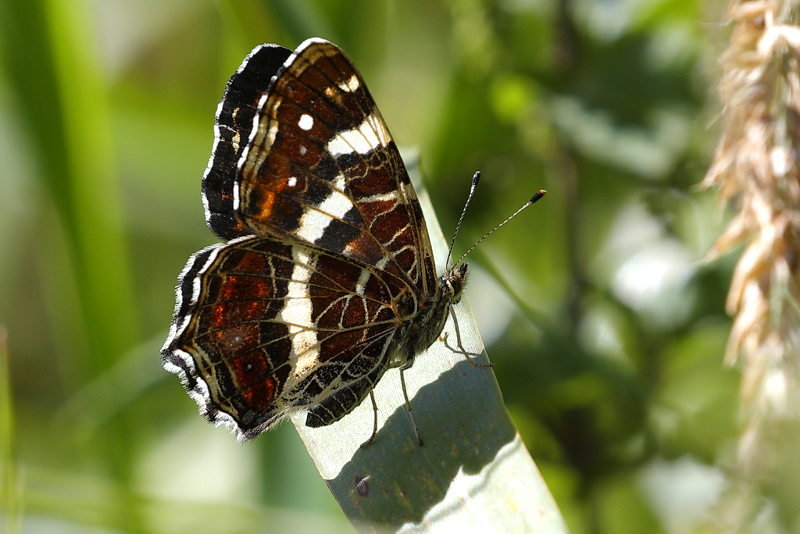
(236, 113)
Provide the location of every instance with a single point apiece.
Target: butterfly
(326, 278)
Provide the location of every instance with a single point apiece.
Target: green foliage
(611, 362)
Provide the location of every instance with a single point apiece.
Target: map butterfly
(327, 277)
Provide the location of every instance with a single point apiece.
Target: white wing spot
(363, 139)
(335, 206)
(361, 284)
(291, 182)
(297, 313)
(381, 197)
(351, 85)
(272, 133)
(306, 122)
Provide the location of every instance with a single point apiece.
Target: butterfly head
(453, 281)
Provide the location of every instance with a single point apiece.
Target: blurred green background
(605, 326)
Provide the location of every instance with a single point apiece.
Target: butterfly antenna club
(535, 198)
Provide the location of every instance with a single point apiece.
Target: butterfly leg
(471, 356)
(343, 401)
(408, 403)
(374, 420)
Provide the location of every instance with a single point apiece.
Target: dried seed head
(757, 168)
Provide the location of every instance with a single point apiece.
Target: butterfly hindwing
(274, 326)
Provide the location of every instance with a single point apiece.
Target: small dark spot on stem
(361, 484)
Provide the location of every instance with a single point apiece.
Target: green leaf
(473, 473)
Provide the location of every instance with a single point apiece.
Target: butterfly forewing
(322, 168)
(235, 115)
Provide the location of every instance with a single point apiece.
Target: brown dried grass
(756, 169)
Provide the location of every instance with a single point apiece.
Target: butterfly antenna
(539, 194)
(473, 186)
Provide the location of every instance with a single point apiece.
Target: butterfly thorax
(426, 326)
